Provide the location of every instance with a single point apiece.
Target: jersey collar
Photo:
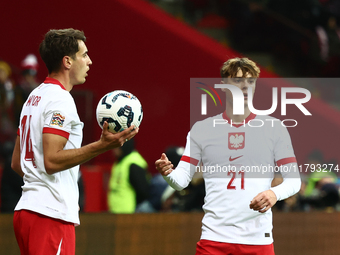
(249, 118)
(54, 81)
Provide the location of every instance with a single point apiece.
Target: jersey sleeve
(283, 150)
(291, 182)
(59, 117)
(285, 159)
(185, 170)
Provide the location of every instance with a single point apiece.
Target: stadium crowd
(296, 33)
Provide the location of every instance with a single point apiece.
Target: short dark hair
(57, 44)
(233, 65)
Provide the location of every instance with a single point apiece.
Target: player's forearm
(66, 159)
(18, 170)
(174, 183)
(287, 188)
(15, 164)
(291, 183)
(179, 178)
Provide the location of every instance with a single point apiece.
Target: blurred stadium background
(152, 49)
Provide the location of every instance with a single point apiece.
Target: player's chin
(81, 81)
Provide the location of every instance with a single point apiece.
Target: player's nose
(90, 61)
(245, 85)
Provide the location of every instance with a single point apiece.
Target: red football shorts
(207, 247)
(37, 234)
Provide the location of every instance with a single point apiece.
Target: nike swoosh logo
(59, 248)
(232, 159)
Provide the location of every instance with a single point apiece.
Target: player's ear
(67, 62)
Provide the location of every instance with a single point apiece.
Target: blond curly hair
(233, 65)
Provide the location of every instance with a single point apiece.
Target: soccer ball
(120, 109)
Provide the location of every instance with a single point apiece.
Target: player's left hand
(115, 140)
(263, 201)
(164, 165)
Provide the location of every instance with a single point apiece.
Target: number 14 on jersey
(26, 141)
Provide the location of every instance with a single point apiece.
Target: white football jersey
(49, 109)
(238, 163)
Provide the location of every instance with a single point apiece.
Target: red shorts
(207, 247)
(41, 235)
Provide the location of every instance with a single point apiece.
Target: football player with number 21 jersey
(238, 161)
(48, 150)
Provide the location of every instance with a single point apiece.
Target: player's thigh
(208, 247)
(39, 235)
(255, 249)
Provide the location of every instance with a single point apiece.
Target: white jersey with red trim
(49, 109)
(237, 163)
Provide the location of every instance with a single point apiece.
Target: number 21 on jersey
(233, 177)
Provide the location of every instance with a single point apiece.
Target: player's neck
(63, 78)
(237, 118)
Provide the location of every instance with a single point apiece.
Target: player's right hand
(263, 201)
(118, 139)
(164, 165)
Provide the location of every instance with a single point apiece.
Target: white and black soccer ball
(120, 109)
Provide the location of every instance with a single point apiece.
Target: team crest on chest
(236, 141)
(57, 119)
